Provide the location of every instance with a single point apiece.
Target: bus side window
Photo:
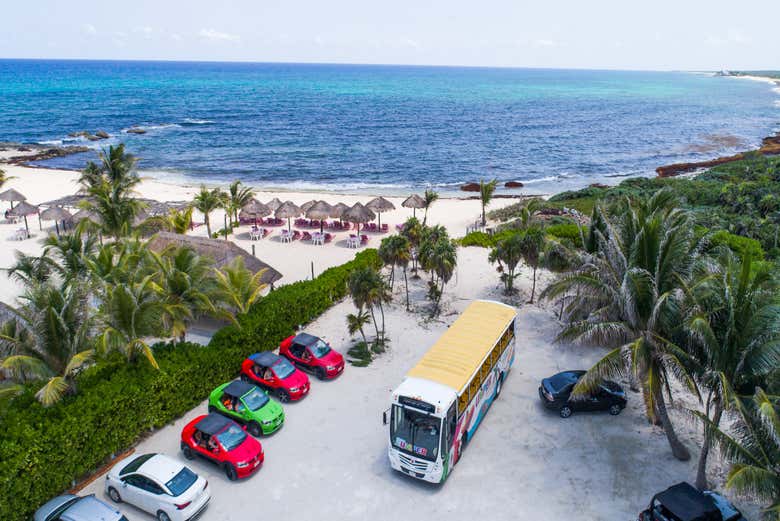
(452, 424)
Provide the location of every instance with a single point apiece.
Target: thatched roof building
(220, 251)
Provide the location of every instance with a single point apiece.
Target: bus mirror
(384, 417)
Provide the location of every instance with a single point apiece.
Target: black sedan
(555, 393)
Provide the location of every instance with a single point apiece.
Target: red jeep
(224, 442)
(276, 374)
(312, 354)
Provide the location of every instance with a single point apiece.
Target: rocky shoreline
(28, 153)
(770, 146)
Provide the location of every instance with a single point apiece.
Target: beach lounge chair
(296, 235)
(385, 228)
(266, 232)
(306, 236)
(328, 237)
(364, 239)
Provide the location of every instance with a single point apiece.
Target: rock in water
(470, 187)
(513, 184)
(135, 130)
(102, 134)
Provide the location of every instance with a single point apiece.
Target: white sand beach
(293, 260)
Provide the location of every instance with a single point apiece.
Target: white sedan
(159, 485)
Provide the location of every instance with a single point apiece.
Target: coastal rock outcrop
(770, 146)
(102, 134)
(513, 184)
(470, 187)
(135, 130)
(40, 153)
(85, 134)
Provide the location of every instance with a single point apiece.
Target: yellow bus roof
(459, 352)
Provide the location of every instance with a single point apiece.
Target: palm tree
(111, 186)
(238, 197)
(187, 287)
(70, 255)
(734, 320)
(129, 313)
(4, 178)
(753, 449)
(629, 293)
(532, 246)
(238, 287)
(486, 191)
(508, 253)
(356, 322)
(394, 250)
(30, 270)
(206, 201)
(429, 198)
(440, 259)
(413, 231)
(365, 290)
(49, 339)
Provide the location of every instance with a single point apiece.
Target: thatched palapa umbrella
(254, 209)
(414, 202)
(287, 210)
(337, 211)
(274, 203)
(308, 204)
(56, 214)
(379, 205)
(319, 210)
(88, 215)
(23, 209)
(12, 196)
(358, 214)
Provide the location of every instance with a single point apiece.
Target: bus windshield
(415, 432)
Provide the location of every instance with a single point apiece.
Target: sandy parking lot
(330, 459)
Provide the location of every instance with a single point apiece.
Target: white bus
(443, 398)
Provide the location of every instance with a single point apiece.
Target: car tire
(230, 472)
(254, 429)
(499, 384)
(114, 495)
(565, 411)
(282, 396)
(187, 451)
(320, 373)
(162, 516)
(615, 409)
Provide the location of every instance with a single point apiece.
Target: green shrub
(742, 246)
(43, 451)
(570, 232)
(480, 239)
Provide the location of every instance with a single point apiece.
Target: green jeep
(249, 405)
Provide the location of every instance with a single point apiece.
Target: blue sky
(659, 34)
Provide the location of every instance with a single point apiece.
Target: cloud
(218, 36)
(408, 42)
(144, 31)
(88, 29)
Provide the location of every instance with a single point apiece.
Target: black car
(684, 502)
(555, 393)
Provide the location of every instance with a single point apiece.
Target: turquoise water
(384, 128)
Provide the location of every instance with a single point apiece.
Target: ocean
(384, 129)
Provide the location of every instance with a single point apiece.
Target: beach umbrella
(12, 196)
(23, 209)
(319, 210)
(287, 210)
(308, 204)
(358, 214)
(337, 210)
(86, 214)
(379, 205)
(254, 209)
(71, 201)
(274, 203)
(56, 214)
(414, 202)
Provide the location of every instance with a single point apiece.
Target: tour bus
(442, 399)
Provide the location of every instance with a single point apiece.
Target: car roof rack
(238, 388)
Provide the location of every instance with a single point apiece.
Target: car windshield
(61, 509)
(231, 437)
(415, 432)
(283, 368)
(255, 399)
(563, 381)
(181, 482)
(319, 349)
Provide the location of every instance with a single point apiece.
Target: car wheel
(162, 516)
(615, 409)
(565, 411)
(499, 384)
(187, 451)
(320, 372)
(230, 472)
(254, 429)
(114, 495)
(283, 396)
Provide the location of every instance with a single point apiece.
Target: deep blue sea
(384, 128)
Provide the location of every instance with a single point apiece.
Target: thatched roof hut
(220, 251)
